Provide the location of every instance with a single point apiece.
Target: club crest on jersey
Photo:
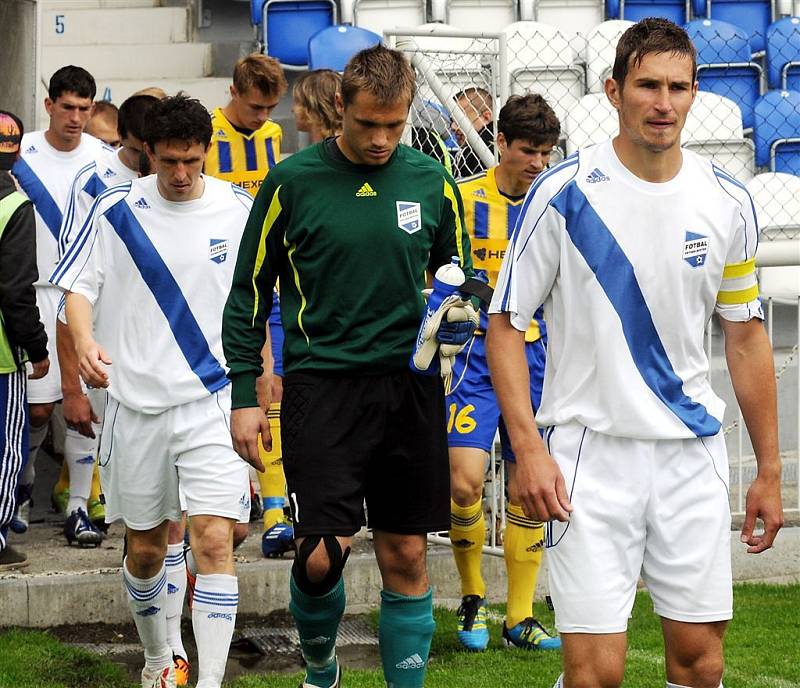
(409, 216)
(218, 250)
(695, 249)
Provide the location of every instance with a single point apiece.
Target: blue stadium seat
(724, 63)
(783, 54)
(333, 46)
(777, 131)
(288, 26)
(752, 15)
(634, 10)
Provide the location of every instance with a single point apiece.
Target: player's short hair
(651, 35)
(529, 118)
(314, 94)
(478, 97)
(155, 91)
(383, 73)
(71, 79)
(261, 72)
(132, 115)
(106, 110)
(177, 118)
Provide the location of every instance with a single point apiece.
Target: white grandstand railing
(781, 253)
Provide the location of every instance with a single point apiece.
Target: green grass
(762, 651)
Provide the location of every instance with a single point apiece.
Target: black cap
(11, 131)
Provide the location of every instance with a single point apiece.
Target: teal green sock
(317, 620)
(405, 631)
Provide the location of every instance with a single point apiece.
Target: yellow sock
(94, 493)
(468, 533)
(523, 544)
(272, 480)
(62, 484)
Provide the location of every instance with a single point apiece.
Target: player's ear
(339, 103)
(613, 92)
(500, 139)
(48, 105)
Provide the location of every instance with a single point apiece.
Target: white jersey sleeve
(532, 260)
(81, 268)
(737, 299)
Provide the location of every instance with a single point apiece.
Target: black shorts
(381, 439)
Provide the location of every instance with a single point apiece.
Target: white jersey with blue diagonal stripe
(630, 272)
(45, 175)
(158, 274)
(92, 179)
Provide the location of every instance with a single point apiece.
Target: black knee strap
(337, 560)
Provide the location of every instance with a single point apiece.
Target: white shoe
(159, 678)
(336, 684)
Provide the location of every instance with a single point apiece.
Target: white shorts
(144, 457)
(655, 507)
(47, 389)
(244, 516)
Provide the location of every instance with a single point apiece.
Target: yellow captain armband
(739, 284)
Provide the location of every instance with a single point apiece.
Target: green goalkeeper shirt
(351, 245)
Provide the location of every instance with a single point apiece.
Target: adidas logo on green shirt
(366, 190)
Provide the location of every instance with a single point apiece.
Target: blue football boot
(80, 529)
(473, 633)
(277, 540)
(530, 635)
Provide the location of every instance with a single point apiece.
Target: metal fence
(463, 80)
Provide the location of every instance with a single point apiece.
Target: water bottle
(446, 281)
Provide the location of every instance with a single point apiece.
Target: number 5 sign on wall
(60, 25)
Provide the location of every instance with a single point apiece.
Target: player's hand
(92, 360)
(764, 502)
(542, 489)
(40, 369)
(246, 426)
(78, 413)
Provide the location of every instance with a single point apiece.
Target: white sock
(79, 453)
(35, 438)
(216, 598)
(176, 592)
(559, 682)
(147, 599)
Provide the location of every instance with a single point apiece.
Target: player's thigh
(595, 557)
(47, 389)
(693, 651)
(329, 429)
(687, 563)
(470, 402)
(408, 483)
(213, 477)
(593, 659)
(137, 470)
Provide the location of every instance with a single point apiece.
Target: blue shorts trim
(473, 414)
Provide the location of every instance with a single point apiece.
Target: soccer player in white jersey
(146, 280)
(632, 245)
(111, 167)
(49, 162)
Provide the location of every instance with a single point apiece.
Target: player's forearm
(79, 318)
(67, 360)
(505, 350)
(749, 357)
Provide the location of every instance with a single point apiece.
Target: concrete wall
(18, 58)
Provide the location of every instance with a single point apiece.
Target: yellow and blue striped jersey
(240, 158)
(490, 218)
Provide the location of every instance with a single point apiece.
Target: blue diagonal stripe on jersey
(95, 186)
(42, 200)
(188, 335)
(616, 276)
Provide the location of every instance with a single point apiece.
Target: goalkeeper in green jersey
(351, 226)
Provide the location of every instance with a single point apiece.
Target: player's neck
(230, 114)
(650, 166)
(508, 184)
(128, 158)
(60, 144)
